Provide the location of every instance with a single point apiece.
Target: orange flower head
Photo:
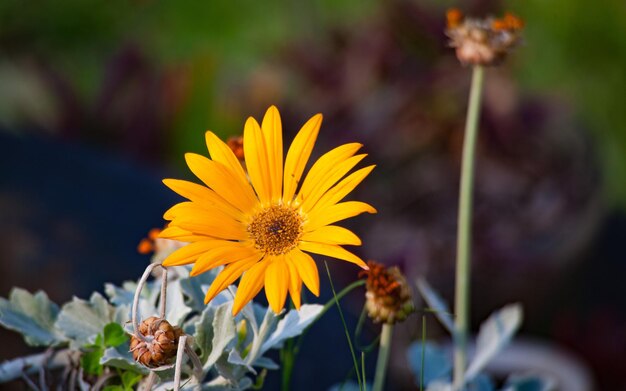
(262, 224)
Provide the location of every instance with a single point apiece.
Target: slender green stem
(345, 328)
(287, 356)
(383, 357)
(464, 232)
(288, 369)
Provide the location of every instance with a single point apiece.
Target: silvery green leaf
(81, 320)
(436, 304)
(193, 288)
(224, 332)
(189, 327)
(254, 313)
(266, 329)
(292, 325)
(481, 382)
(177, 310)
(529, 383)
(235, 358)
(122, 297)
(439, 385)
(31, 315)
(120, 357)
(227, 370)
(437, 364)
(204, 332)
(265, 362)
(222, 384)
(223, 297)
(494, 334)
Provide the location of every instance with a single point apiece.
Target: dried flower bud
(160, 345)
(388, 296)
(483, 41)
(236, 145)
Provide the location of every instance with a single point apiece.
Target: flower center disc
(276, 230)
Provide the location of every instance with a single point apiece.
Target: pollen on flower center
(276, 230)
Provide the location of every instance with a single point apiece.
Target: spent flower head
(388, 296)
(159, 343)
(484, 41)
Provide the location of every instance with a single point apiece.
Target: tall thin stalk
(464, 231)
(383, 356)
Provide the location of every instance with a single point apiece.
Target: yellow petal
(213, 223)
(227, 253)
(202, 195)
(326, 162)
(250, 285)
(221, 152)
(222, 181)
(255, 153)
(177, 233)
(337, 212)
(273, 134)
(277, 283)
(332, 251)
(295, 284)
(332, 234)
(333, 175)
(190, 252)
(229, 275)
(307, 269)
(194, 208)
(298, 155)
(343, 188)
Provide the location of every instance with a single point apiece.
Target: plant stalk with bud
(480, 43)
(387, 300)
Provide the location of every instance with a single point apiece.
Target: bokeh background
(99, 100)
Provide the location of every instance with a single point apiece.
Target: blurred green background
(574, 50)
(140, 81)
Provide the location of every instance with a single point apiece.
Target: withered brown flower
(484, 41)
(159, 343)
(388, 296)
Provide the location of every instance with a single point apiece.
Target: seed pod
(483, 41)
(388, 296)
(160, 345)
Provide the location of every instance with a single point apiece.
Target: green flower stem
(464, 232)
(383, 356)
(290, 357)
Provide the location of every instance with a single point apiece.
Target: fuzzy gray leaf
(121, 358)
(204, 332)
(31, 315)
(224, 332)
(122, 298)
(495, 333)
(235, 358)
(81, 320)
(265, 362)
(177, 310)
(436, 304)
(193, 288)
(437, 364)
(292, 325)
